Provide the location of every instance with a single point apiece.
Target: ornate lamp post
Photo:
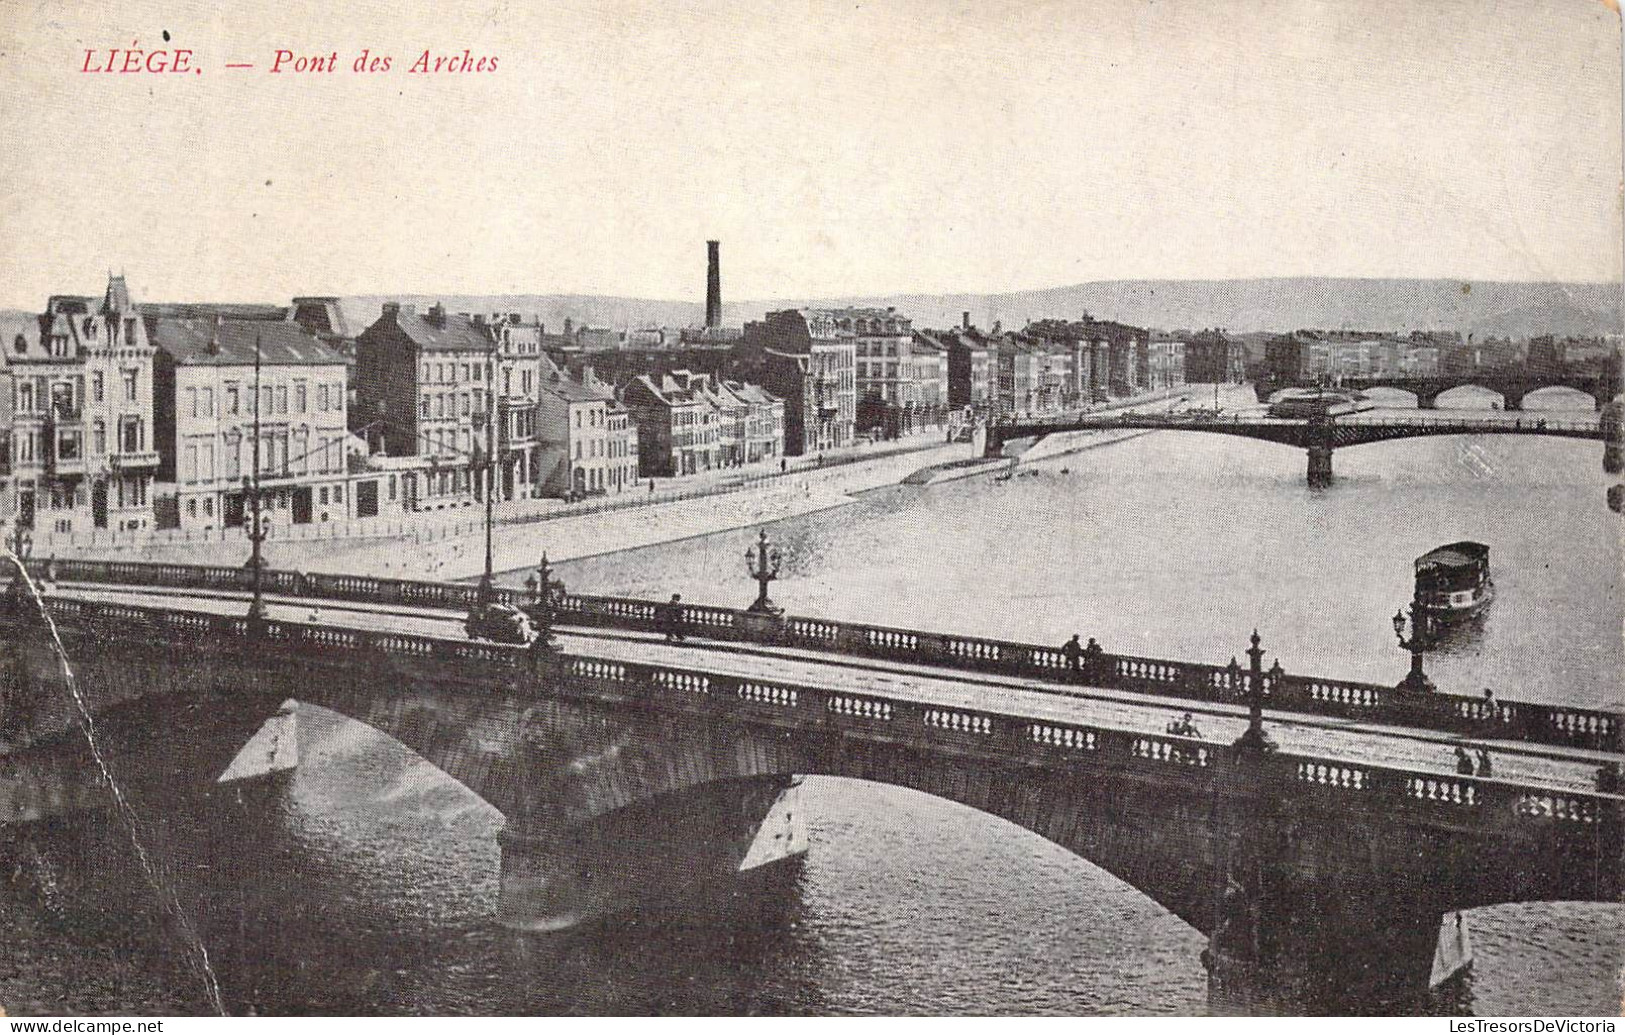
(1255, 738)
(256, 517)
(547, 595)
(762, 564)
(482, 595)
(21, 544)
(22, 541)
(1423, 638)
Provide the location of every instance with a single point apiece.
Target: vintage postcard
(918, 507)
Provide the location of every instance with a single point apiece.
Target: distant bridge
(1319, 436)
(1511, 385)
(1319, 875)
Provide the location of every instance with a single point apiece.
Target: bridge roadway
(1555, 768)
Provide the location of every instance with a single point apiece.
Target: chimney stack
(713, 285)
(964, 320)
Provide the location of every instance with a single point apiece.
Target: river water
(379, 874)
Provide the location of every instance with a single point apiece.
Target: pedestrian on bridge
(1484, 767)
(1464, 761)
(1074, 654)
(671, 620)
(1093, 656)
(1608, 778)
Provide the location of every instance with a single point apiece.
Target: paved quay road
(1554, 768)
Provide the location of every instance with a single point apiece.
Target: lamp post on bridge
(1423, 638)
(482, 594)
(21, 545)
(1255, 739)
(547, 597)
(21, 541)
(762, 564)
(256, 517)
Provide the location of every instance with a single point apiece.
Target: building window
(300, 402)
(338, 494)
(98, 438)
(233, 400)
(130, 435)
(282, 398)
(129, 385)
(323, 495)
(96, 387)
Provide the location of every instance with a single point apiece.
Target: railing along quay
(1332, 784)
(1555, 725)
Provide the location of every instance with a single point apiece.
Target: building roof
(752, 393)
(436, 329)
(669, 391)
(222, 342)
(209, 310)
(571, 390)
(924, 342)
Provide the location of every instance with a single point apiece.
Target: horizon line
(883, 294)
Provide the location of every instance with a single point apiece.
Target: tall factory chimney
(713, 285)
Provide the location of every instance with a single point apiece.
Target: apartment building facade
(79, 452)
(216, 384)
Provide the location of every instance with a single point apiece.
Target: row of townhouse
(129, 417)
(1317, 356)
(690, 422)
(455, 388)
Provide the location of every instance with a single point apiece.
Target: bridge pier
(1305, 923)
(719, 846)
(1320, 466)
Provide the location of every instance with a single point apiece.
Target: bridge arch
(1392, 397)
(1104, 821)
(1470, 397)
(1559, 397)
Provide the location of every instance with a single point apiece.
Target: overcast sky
(833, 148)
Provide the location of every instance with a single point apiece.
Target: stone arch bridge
(1320, 882)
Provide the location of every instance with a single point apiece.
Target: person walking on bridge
(1464, 761)
(1074, 655)
(671, 619)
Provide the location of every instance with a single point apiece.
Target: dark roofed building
(207, 393)
(423, 384)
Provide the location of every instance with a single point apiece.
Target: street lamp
(547, 595)
(762, 564)
(1423, 638)
(1255, 738)
(22, 541)
(256, 525)
(482, 595)
(256, 537)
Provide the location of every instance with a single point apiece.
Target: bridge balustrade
(1334, 782)
(1558, 725)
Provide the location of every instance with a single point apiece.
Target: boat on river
(1301, 403)
(1453, 582)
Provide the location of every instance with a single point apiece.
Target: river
(380, 873)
